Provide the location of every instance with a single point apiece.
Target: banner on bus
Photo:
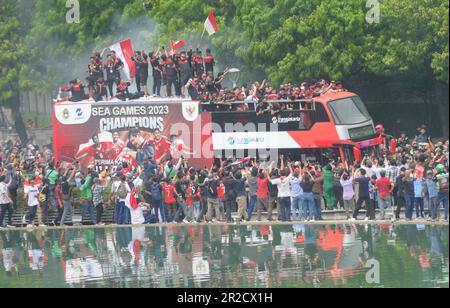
(104, 134)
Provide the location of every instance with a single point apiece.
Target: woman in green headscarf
(328, 186)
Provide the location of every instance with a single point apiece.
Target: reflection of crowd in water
(221, 255)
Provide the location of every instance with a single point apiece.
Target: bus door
(372, 151)
(347, 153)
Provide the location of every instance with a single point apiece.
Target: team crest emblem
(190, 111)
(66, 114)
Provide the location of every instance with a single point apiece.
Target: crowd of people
(184, 74)
(171, 191)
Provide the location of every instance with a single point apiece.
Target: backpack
(443, 183)
(213, 188)
(122, 192)
(65, 188)
(231, 194)
(14, 182)
(156, 192)
(42, 196)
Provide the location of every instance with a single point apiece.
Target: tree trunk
(442, 101)
(18, 120)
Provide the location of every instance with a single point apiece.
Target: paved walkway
(252, 223)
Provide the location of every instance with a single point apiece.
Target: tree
(13, 59)
(304, 39)
(286, 40)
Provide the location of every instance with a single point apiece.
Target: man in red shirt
(384, 187)
(59, 203)
(170, 200)
(162, 146)
(96, 150)
(127, 157)
(262, 195)
(119, 144)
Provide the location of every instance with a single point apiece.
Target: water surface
(209, 256)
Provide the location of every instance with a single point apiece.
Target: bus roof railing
(308, 102)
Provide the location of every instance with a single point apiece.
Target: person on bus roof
(77, 91)
(209, 62)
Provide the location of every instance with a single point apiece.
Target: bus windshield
(349, 111)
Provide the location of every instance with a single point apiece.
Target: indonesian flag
(210, 23)
(120, 48)
(393, 146)
(241, 161)
(133, 201)
(175, 46)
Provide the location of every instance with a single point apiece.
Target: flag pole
(201, 38)
(204, 30)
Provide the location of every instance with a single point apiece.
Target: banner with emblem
(104, 134)
(190, 110)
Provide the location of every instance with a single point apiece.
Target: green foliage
(41, 120)
(286, 40)
(12, 51)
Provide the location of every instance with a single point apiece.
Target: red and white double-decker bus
(101, 133)
(333, 124)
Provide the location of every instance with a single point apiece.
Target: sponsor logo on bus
(281, 120)
(74, 114)
(254, 140)
(245, 140)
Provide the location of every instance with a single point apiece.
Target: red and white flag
(133, 201)
(210, 23)
(129, 69)
(175, 46)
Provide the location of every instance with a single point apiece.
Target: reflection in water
(226, 256)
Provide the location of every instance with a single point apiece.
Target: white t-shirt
(4, 196)
(36, 259)
(8, 262)
(370, 171)
(284, 188)
(137, 216)
(115, 185)
(33, 193)
(138, 182)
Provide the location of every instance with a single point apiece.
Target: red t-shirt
(384, 185)
(104, 150)
(118, 148)
(189, 197)
(169, 191)
(161, 146)
(263, 188)
(221, 191)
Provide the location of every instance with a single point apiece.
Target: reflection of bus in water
(334, 124)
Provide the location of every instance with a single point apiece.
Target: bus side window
(317, 116)
(320, 115)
